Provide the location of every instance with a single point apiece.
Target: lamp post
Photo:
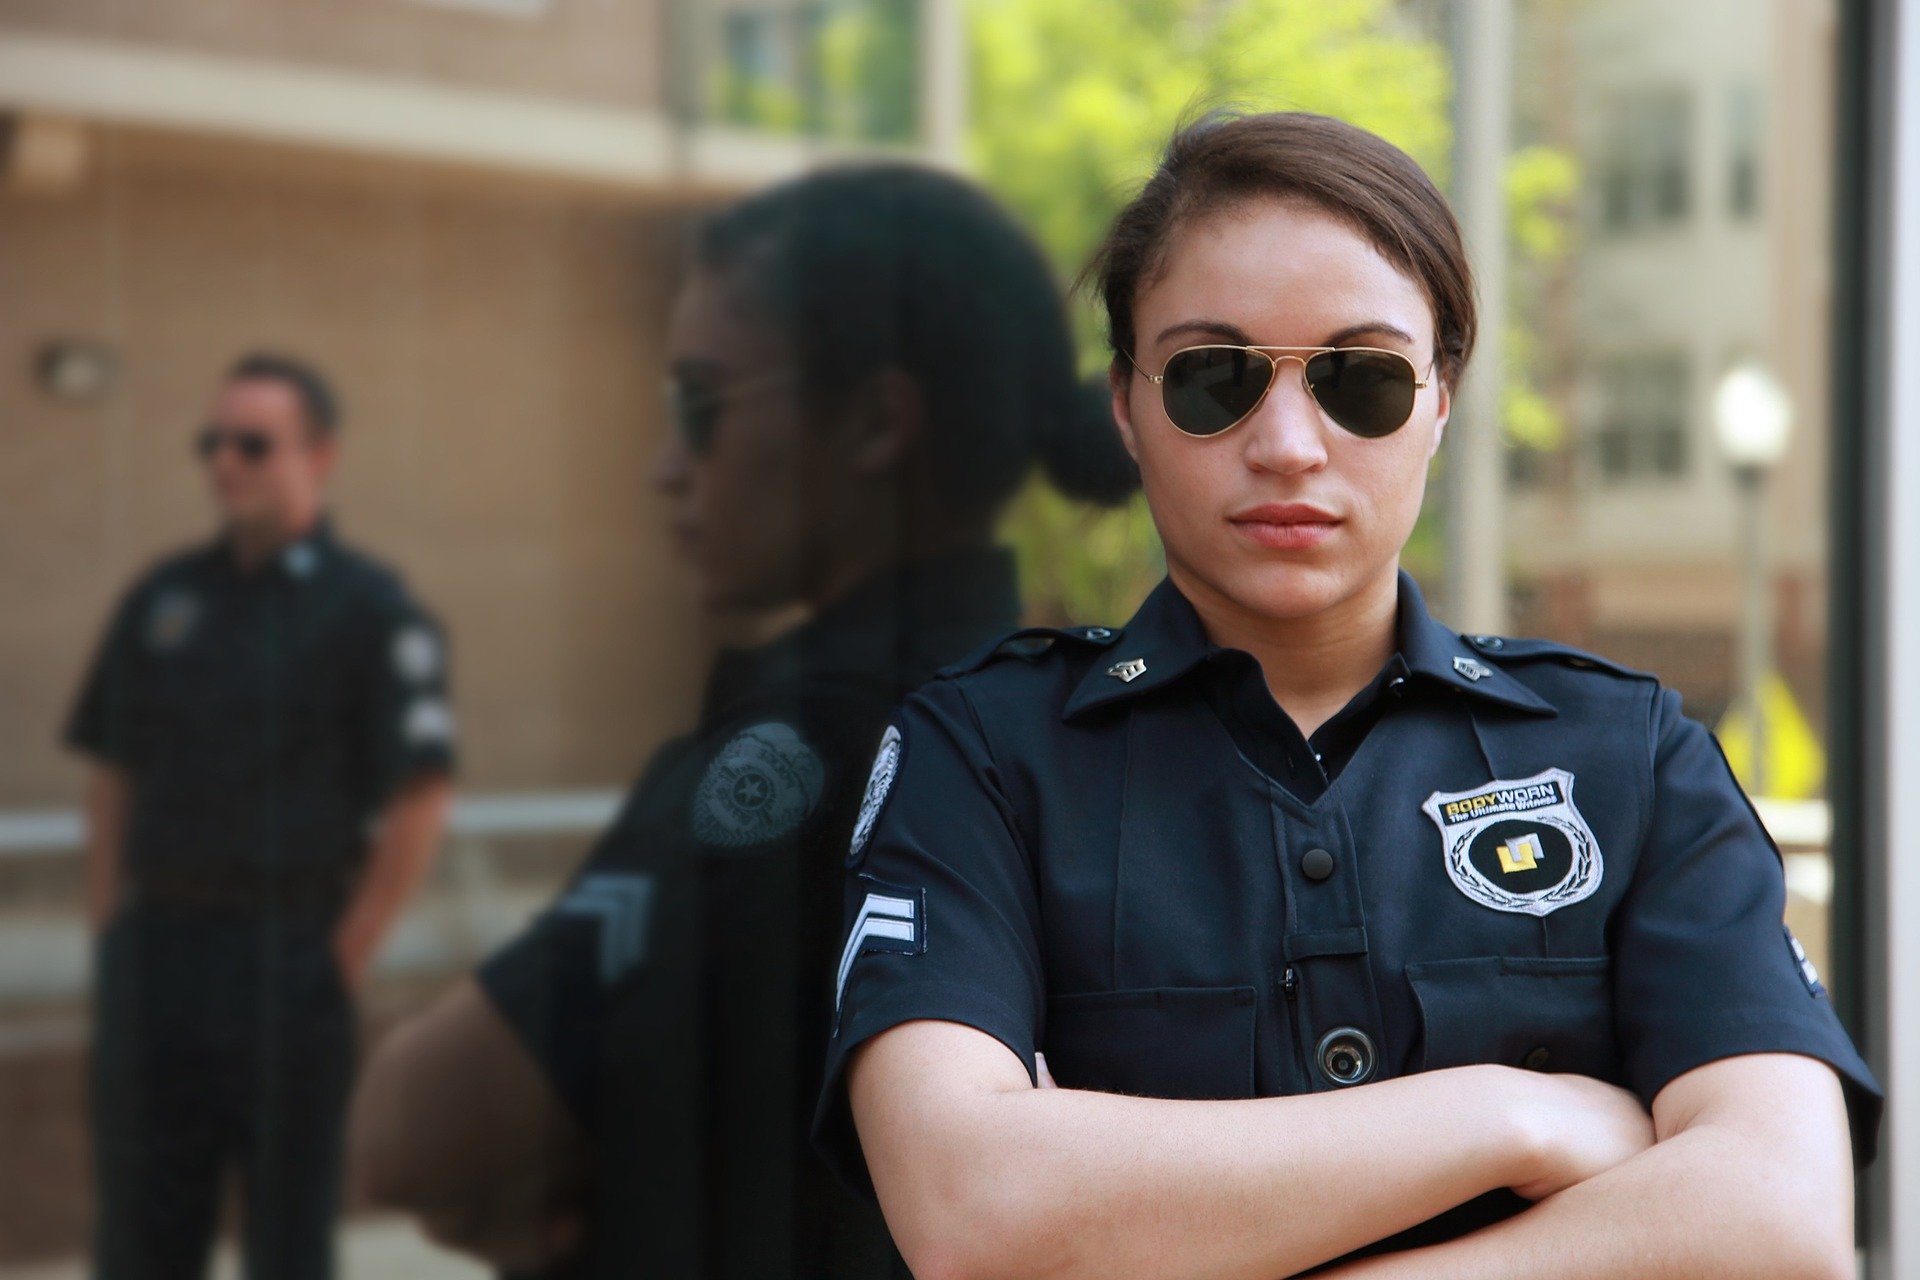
(1752, 416)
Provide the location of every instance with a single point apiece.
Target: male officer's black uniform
(1117, 849)
(678, 994)
(262, 718)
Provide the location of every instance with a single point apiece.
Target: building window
(1644, 175)
(1743, 138)
(1640, 431)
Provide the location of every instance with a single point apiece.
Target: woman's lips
(1289, 527)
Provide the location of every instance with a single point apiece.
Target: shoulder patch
(1031, 642)
(415, 653)
(1525, 648)
(760, 786)
(886, 767)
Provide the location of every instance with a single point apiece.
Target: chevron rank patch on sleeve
(892, 920)
(619, 903)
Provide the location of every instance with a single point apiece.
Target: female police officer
(1284, 835)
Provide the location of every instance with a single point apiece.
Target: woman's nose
(1287, 432)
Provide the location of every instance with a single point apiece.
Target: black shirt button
(1316, 864)
(1538, 1059)
(1397, 686)
(1345, 1056)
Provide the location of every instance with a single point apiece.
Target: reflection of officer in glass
(865, 364)
(271, 742)
(1329, 923)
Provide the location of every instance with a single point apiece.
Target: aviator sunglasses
(695, 410)
(251, 445)
(1365, 390)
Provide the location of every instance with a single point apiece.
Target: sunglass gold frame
(1159, 380)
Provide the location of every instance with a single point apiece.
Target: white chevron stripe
(881, 916)
(620, 901)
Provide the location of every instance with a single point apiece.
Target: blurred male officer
(271, 744)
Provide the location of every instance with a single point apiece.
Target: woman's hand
(1575, 1126)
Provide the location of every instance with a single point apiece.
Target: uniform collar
(1165, 640)
(299, 561)
(898, 626)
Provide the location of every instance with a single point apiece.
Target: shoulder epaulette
(1030, 642)
(1524, 648)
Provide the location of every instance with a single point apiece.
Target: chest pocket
(1547, 1014)
(1161, 1042)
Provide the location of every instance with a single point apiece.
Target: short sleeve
(101, 722)
(408, 726)
(942, 916)
(1705, 966)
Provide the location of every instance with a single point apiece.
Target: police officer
(1333, 930)
(270, 740)
(865, 364)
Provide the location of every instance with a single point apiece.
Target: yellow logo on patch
(1520, 854)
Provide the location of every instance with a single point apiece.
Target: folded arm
(979, 1173)
(454, 1123)
(1752, 1176)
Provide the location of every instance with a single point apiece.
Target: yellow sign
(1794, 765)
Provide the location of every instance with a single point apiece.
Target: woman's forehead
(1281, 272)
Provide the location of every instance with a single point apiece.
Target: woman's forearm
(981, 1174)
(1754, 1181)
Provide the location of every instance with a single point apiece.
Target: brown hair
(1356, 176)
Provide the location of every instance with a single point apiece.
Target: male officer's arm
(105, 805)
(406, 742)
(406, 837)
(454, 1122)
(979, 1173)
(1751, 1177)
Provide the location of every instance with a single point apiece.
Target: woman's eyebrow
(1370, 326)
(1214, 328)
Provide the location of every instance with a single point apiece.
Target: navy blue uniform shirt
(263, 717)
(1114, 847)
(678, 993)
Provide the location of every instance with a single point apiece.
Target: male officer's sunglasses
(695, 410)
(1366, 390)
(252, 446)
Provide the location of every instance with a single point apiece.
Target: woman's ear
(891, 419)
(1120, 382)
(1444, 394)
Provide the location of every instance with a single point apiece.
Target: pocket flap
(1546, 1013)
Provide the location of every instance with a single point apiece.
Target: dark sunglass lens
(694, 414)
(1208, 389)
(253, 446)
(1370, 393)
(207, 443)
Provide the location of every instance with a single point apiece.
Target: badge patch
(1518, 845)
(886, 764)
(416, 654)
(762, 784)
(892, 919)
(170, 619)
